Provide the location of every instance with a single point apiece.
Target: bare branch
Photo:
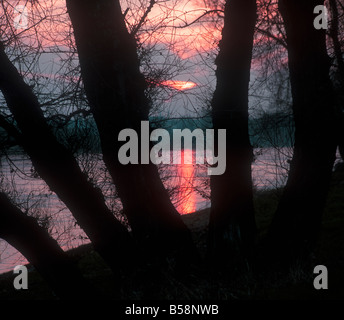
(199, 18)
(272, 36)
(143, 18)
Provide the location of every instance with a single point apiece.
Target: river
(188, 185)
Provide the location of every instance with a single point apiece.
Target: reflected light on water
(186, 193)
(188, 183)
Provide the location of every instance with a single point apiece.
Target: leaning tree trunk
(232, 223)
(43, 252)
(297, 221)
(115, 89)
(59, 169)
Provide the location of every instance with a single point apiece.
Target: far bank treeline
(81, 135)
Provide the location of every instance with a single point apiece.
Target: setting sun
(179, 85)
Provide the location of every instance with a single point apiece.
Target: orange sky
(163, 24)
(162, 19)
(168, 20)
(49, 24)
(163, 28)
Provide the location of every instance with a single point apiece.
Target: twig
(143, 18)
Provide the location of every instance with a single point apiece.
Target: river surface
(188, 185)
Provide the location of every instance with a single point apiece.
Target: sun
(179, 85)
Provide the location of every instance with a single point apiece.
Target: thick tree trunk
(232, 223)
(57, 166)
(334, 34)
(298, 217)
(339, 73)
(115, 89)
(43, 252)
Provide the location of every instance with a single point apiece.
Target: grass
(158, 282)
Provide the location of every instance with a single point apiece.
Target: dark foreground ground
(295, 283)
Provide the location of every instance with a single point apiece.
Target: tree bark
(339, 72)
(334, 34)
(232, 222)
(115, 89)
(43, 252)
(59, 169)
(297, 220)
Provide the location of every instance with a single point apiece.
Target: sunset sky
(185, 53)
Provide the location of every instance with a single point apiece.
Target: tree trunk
(339, 72)
(43, 252)
(298, 217)
(57, 166)
(232, 223)
(115, 89)
(334, 34)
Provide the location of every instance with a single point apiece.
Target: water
(188, 185)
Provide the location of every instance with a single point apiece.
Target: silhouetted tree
(232, 222)
(57, 166)
(336, 36)
(298, 217)
(34, 242)
(115, 89)
(106, 50)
